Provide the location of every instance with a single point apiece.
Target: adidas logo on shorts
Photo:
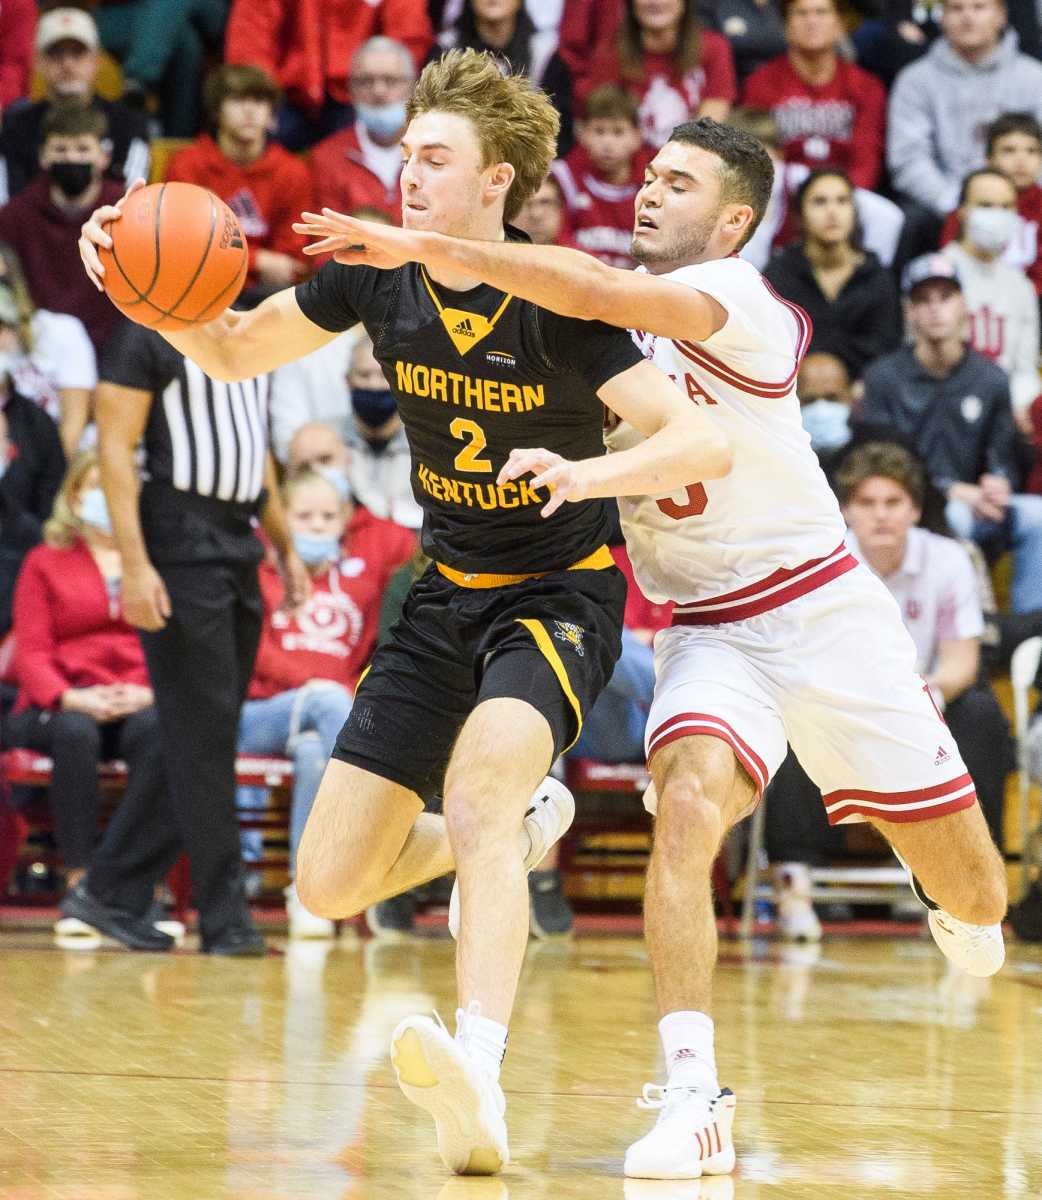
(942, 757)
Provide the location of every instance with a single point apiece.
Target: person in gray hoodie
(941, 104)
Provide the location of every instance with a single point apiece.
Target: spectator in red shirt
(263, 184)
(1014, 147)
(601, 176)
(309, 660)
(17, 25)
(42, 223)
(84, 692)
(359, 166)
(828, 112)
(676, 69)
(307, 47)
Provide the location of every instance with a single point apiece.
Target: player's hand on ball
(355, 243)
(562, 478)
(94, 234)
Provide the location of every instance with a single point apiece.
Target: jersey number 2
(695, 506)
(469, 458)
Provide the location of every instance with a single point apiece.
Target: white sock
(484, 1040)
(687, 1039)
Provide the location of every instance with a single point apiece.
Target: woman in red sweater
(84, 693)
(676, 69)
(309, 661)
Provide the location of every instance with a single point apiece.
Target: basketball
(178, 257)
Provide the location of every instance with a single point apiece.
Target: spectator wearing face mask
(823, 386)
(1000, 301)
(83, 688)
(359, 166)
(309, 660)
(42, 223)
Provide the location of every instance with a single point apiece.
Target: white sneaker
(797, 920)
(548, 819)
(304, 924)
(73, 934)
(976, 949)
(436, 1072)
(691, 1138)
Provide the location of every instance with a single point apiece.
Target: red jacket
(333, 635)
(343, 182)
(1027, 253)
(839, 124)
(65, 633)
(267, 196)
(17, 26)
(307, 45)
(600, 215)
(666, 101)
(46, 239)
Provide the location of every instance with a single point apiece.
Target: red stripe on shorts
(918, 804)
(704, 725)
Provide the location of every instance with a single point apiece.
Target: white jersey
(771, 529)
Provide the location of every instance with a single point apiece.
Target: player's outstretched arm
(237, 345)
(681, 446)
(565, 281)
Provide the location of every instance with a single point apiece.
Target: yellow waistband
(596, 561)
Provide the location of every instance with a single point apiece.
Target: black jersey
(475, 375)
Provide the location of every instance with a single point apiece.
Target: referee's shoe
(136, 933)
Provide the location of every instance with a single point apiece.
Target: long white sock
(484, 1039)
(687, 1039)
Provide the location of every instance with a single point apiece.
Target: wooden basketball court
(863, 1069)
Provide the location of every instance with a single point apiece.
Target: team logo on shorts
(572, 634)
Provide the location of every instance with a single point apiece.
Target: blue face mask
(382, 120)
(828, 423)
(373, 406)
(315, 550)
(94, 510)
(339, 481)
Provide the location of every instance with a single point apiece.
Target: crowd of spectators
(904, 218)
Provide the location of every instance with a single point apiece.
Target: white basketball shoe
(549, 817)
(436, 1072)
(976, 949)
(691, 1138)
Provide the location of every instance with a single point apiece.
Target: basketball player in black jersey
(505, 642)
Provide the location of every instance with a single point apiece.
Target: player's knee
(687, 822)
(327, 892)
(472, 822)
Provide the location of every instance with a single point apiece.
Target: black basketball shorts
(552, 642)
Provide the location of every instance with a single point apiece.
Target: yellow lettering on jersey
(486, 496)
(533, 397)
(486, 395)
(511, 397)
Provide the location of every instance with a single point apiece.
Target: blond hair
(64, 528)
(304, 477)
(514, 121)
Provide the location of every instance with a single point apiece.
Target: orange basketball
(178, 256)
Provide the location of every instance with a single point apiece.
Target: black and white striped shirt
(202, 436)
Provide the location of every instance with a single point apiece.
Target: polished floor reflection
(864, 1069)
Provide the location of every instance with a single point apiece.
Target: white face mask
(991, 229)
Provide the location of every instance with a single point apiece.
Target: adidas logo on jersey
(464, 328)
(942, 757)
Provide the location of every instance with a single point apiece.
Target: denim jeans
(614, 728)
(302, 724)
(1021, 531)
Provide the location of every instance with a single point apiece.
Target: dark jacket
(22, 137)
(863, 322)
(961, 426)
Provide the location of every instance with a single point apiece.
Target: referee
(190, 556)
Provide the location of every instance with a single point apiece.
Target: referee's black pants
(200, 665)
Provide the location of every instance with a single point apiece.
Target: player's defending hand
(562, 478)
(93, 234)
(355, 243)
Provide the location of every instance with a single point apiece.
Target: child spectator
(309, 660)
(67, 61)
(600, 177)
(674, 67)
(828, 112)
(42, 223)
(849, 295)
(1002, 305)
(84, 692)
(359, 166)
(1014, 147)
(264, 185)
(307, 48)
(58, 369)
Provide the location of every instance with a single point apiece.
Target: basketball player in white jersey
(778, 634)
